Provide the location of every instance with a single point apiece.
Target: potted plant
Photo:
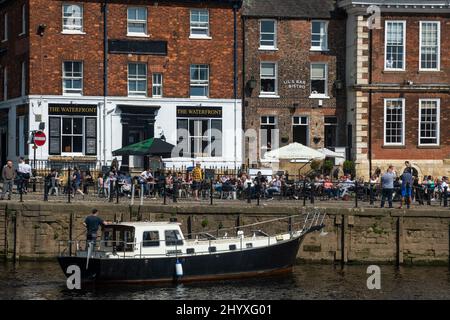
(327, 166)
(315, 165)
(349, 167)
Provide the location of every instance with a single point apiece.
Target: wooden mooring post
(400, 241)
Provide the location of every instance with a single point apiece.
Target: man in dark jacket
(8, 176)
(92, 224)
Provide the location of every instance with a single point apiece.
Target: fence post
(21, 189)
(371, 193)
(313, 185)
(258, 196)
(117, 191)
(356, 193)
(164, 191)
(445, 197)
(132, 192)
(111, 189)
(69, 189)
(211, 191)
(304, 192)
(175, 191)
(46, 189)
(249, 192)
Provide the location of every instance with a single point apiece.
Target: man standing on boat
(92, 223)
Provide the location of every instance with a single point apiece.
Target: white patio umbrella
(329, 153)
(294, 151)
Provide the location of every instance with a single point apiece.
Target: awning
(294, 151)
(149, 147)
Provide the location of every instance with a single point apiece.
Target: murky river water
(45, 280)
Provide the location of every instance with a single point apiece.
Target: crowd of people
(194, 183)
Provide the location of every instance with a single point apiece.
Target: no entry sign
(39, 138)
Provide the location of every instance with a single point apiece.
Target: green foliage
(315, 165)
(327, 166)
(204, 223)
(349, 166)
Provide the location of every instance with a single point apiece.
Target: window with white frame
(72, 18)
(24, 20)
(394, 121)
(157, 85)
(300, 126)
(395, 45)
(268, 34)
(429, 121)
(319, 35)
(5, 27)
(137, 79)
(199, 23)
(199, 80)
(268, 134)
(430, 45)
(137, 21)
(73, 77)
(319, 78)
(199, 137)
(268, 75)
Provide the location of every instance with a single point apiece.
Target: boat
(135, 252)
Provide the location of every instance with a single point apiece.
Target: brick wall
(294, 57)
(16, 47)
(166, 21)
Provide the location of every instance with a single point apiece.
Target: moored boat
(158, 252)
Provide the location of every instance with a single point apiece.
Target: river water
(45, 280)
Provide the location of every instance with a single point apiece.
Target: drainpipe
(105, 73)
(235, 80)
(369, 138)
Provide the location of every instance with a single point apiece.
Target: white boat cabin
(159, 239)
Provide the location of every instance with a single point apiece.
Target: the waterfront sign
(199, 112)
(72, 109)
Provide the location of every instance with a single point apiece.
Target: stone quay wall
(33, 231)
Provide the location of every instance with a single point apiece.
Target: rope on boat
(268, 221)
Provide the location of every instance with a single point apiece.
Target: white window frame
(318, 95)
(66, 28)
(402, 143)
(137, 78)
(5, 83)
(199, 82)
(5, 27)
(323, 37)
(199, 25)
(64, 77)
(23, 79)
(438, 62)
(438, 122)
(24, 22)
(137, 21)
(264, 47)
(157, 85)
(403, 22)
(262, 93)
(82, 135)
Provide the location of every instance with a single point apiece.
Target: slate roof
(322, 9)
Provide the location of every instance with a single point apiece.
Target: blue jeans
(387, 194)
(7, 188)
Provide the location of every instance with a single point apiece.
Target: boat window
(108, 238)
(190, 250)
(249, 245)
(212, 249)
(124, 239)
(173, 238)
(232, 247)
(150, 239)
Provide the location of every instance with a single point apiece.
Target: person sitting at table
(329, 188)
(275, 186)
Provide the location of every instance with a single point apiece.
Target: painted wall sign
(295, 84)
(72, 109)
(199, 112)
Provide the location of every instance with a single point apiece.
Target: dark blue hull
(255, 262)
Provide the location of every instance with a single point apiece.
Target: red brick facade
(167, 21)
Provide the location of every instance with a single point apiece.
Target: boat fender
(178, 268)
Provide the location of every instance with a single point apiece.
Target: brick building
(170, 71)
(398, 80)
(294, 72)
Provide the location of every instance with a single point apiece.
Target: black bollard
(69, 189)
(258, 195)
(445, 196)
(356, 193)
(312, 191)
(111, 189)
(249, 192)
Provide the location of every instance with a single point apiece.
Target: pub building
(294, 72)
(166, 69)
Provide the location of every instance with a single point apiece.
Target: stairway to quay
(34, 230)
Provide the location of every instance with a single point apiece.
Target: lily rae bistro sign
(295, 84)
